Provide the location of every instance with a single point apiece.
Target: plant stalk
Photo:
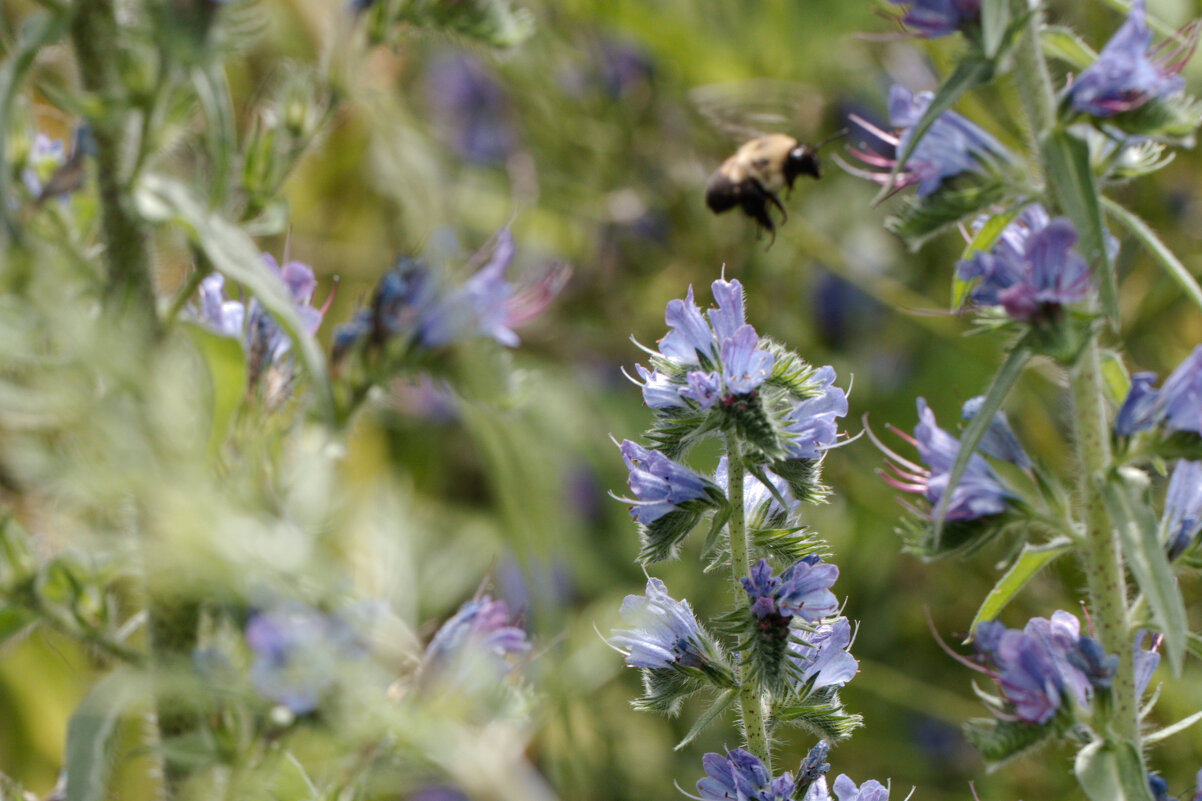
(751, 706)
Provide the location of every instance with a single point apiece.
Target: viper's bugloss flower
(846, 790)
(694, 340)
(951, 146)
(664, 632)
(979, 493)
(659, 484)
(1031, 270)
(811, 422)
(1177, 406)
(1145, 662)
(411, 305)
(482, 630)
(1127, 73)
(44, 158)
(803, 590)
(744, 367)
(296, 651)
(740, 775)
(1159, 788)
(1040, 666)
(1182, 518)
(821, 654)
(264, 341)
(998, 440)
(931, 19)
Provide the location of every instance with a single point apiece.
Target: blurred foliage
(584, 140)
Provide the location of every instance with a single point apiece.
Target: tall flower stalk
(782, 651)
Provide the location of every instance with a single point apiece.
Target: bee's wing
(746, 109)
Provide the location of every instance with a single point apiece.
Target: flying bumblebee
(765, 163)
(759, 169)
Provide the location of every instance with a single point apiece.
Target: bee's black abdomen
(721, 194)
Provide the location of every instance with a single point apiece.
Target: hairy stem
(751, 706)
(95, 37)
(1101, 549)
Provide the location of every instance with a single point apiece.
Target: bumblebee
(759, 169)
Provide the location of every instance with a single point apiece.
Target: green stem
(751, 705)
(1101, 549)
(95, 37)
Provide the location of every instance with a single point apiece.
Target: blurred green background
(585, 141)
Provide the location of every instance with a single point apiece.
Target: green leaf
(37, 30)
(1001, 740)
(1169, 731)
(969, 74)
(234, 254)
(995, 21)
(1125, 493)
(1147, 237)
(922, 218)
(1030, 561)
(719, 706)
(90, 740)
(227, 371)
(1002, 382)
(213, 91)
(1115, 380)
(1071, 180)
(1064, 44)
(1111, 772)
(14, 622)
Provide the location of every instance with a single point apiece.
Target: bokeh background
(587, 141)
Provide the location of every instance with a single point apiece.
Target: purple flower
(658, 390)
(1031, 269)
(740, 776)
(1047, 661)
(296, 652)
(998, 440)
(822, 656)
(703, 388)
(410, 303)
(1145, 662)
(846, 790)
(931, 19)
(481, 628)
(1177, 405)
(689, 336)
(744, 367)
(951, 146)
(811, 423)
(658, 483)
(979, 493)
(1126, 73)
(45, 157)
(664, 633)
(814, 765)
(803, 590)
(1182, 507)
(729, 316)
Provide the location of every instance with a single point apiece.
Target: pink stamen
(329, 298)
(884, 136)
(901, 460)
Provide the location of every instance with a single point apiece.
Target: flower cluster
(979, 493)
(1031, 271)
(481, 635)
(951, 146)
(821, 654)
(713, 371)
(1127, 74)
(264, 341)
(1177, 406)
(411, 309)
(1044, 664)
(803, 590)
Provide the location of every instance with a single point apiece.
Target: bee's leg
(754, 205)
(784, 215)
